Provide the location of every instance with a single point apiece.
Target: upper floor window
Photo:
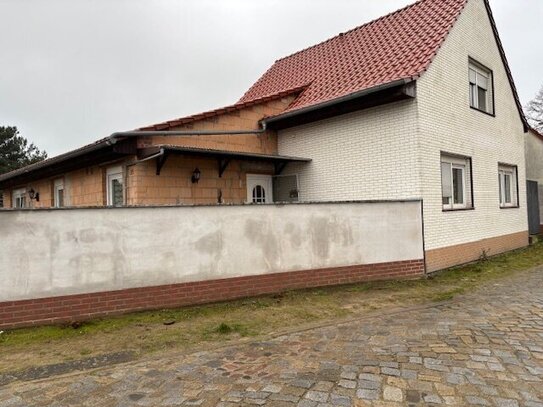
(507, 178)
(114, 186)
(456, 192)
(19, 198)
(480, 88)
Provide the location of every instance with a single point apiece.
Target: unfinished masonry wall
(76, 263)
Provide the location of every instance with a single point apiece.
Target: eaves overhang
(378, 95)
(101, 151)
(223, 157)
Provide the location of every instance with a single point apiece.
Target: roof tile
(397, 46)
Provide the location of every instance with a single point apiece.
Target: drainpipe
(125, 170)
(159, 154)
(112, 139)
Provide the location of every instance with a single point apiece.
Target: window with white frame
(114, 186)
(19, 198)
(58, 193)
(456, 192)
(480, 87)
(507, 179)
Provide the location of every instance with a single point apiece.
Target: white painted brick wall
(393, 151)
(447, 123)
(369, 154)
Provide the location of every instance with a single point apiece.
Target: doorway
(533, 207)
(259, 188)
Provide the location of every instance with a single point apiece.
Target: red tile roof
(397, 46)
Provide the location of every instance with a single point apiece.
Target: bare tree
(534, 111)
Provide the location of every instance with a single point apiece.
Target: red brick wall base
(439, 259)
(78, 307)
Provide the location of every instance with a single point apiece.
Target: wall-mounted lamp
(34, 195)
(195, 176)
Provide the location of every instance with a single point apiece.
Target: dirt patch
(41, 372)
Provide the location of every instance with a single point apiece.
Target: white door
(259, 188)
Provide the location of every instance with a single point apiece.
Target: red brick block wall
(85, 306)
(439, 259)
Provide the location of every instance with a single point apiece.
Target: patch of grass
(195, 327)
(225, 329)
(447, 295)
(359, 288)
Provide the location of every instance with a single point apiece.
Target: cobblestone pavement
(484, 349)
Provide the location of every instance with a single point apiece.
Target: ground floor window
(285, 188)
(456, 188)
(58, 193)
(19, 198)
(114, 186)
(507, 180)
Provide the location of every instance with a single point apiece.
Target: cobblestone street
(485, 348)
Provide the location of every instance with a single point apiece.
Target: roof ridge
(225, 109)
(352, 29)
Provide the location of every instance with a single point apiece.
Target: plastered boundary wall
(50, 257)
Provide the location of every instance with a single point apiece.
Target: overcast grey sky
(74, 71)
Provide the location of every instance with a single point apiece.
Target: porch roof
(223, 156)
(97, 153)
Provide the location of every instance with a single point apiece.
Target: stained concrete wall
(52, 252)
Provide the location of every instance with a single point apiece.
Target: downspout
(159, 154)
(112, 139)
(125, 171)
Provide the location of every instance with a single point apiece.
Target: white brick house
(394, 151)
(419, 104)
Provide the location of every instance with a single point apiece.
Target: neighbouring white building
(534, 179)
